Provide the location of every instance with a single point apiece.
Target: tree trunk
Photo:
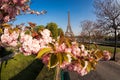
(57, 73)
(89, 38)
(115, 46)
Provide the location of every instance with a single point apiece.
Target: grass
(25, 68)
(30, 72)
(46, 74)
(13, 66)
(109, 48)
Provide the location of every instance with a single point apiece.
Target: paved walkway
(105, 70)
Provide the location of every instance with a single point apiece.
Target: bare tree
(82, 36)
(98, 33)
(108, 13)
(87, 28)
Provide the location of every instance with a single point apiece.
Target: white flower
(69, 58)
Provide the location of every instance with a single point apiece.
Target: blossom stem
(57, 73)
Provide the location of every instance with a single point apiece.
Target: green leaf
(52, 46)
(27, 32)
(93, 64)
(98, 54)
(43, 51)
(89, 67)
(1, 31)
(53, 61)
(60, 58)
(82, 63)
(62, 38)
(68, 42)
(72, 56)
(65, 57)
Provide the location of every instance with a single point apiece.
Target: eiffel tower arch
(69, 32)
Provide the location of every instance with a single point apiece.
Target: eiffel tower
(69, 32)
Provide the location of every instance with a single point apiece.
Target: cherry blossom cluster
(106, 55)
(10, 38)
(75, 66)
(61, 52)
(79, 59)
(28, 44)
(9, 9)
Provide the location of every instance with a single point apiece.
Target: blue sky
(57, 12)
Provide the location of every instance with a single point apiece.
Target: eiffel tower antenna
(69, 32)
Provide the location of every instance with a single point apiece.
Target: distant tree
(87, 28)
(108, 13)
(60, 31)
(53, 27)
(40, 26)
(97, 33)
(82, 36)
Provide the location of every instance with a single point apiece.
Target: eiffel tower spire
(69, 32)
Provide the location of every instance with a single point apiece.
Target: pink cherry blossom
(15, 1)
(82, 47)
(42, 43)
(47, 39)
(84, 71)
(45, 59)
(106, 55)
(23, 1)
(68, 50)
(13, 43)
(5, 38)
(45, 33)
(26, 47)
(24, 37)
(14, 35)
(27, 44)
(84, 53)
(31, 45)
(70, 67)
(6, 18)
(74, 44)
(35, 46)
(75, 51)
(11, 8)
(75, 66)
(4, 7)
(61, 48)
(66, 63)
(1, 16)
(10, 39)
(6, 31)
(63, 65)
(5, 0)
(25, 53)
